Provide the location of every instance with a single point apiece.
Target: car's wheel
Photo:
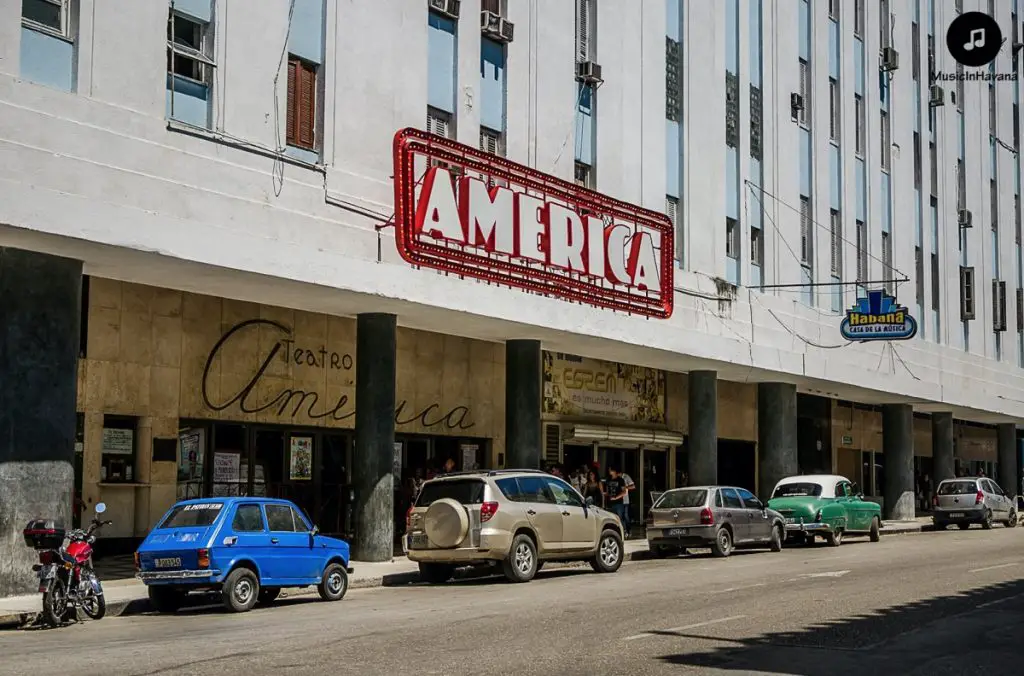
(334, 583)
(436, 573)
(1011, 520)
(834, 538)
(987, 523)
(240, 590)
(722, 546)
(876, 529)
(268, 595)
(165, 599)
(963, 526)
(777, 538)
(609, 552)
(521, 563)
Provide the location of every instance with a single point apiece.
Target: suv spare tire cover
(446, 523)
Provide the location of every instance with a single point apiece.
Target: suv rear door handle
(565, 513)
(530, 512)
(273, 541)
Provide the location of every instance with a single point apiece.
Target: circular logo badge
(974, 39)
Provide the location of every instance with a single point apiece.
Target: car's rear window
(958, 487)
(797, 490)
(682, 499)
(195, 514)
(466, 491)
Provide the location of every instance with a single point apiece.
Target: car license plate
(676, 532)
(168, 563)
(790, 520)
(956, 515)
(418, 541)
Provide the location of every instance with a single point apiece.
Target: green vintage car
(825, 505)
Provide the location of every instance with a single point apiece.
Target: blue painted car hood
(333, 543)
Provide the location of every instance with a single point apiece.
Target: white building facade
(254, 166)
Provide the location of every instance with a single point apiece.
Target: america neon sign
(462, 211)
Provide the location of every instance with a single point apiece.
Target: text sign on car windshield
(474, 214)
(203, 505)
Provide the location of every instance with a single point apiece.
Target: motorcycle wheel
(94, 607)
(55, 604)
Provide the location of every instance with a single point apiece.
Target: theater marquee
(466, 212)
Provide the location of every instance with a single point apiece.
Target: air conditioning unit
(998, 305)
(796, 104)
(449, 8)
(889, 60)
(588, 72)
(964, 218)
(936, 96)
(495, 27)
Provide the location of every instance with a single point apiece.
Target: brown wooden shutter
(306, 106)
(291, 136)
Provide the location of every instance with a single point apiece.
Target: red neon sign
(462, 211)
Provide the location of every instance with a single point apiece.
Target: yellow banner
(578, 386)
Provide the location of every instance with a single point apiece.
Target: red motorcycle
(66, 577)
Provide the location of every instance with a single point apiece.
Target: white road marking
(998, 601)
(747, 586)
(833, 573)
(687, 627)
(1001, 565)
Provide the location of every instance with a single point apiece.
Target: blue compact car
(245, 549)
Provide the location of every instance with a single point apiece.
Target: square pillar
(776, 435)
(898, 448)
(943, 464)
(523, 384)
(373, 460)
(702, 459)
(1006, 443)
(40, 311)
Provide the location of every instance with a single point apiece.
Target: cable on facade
(572, 126)
(278, 169)
(796, 335)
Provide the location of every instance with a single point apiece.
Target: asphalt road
(934, 604)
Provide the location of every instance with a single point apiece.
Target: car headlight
(817, 517)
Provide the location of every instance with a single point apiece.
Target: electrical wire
(796, 335)
(278, 169)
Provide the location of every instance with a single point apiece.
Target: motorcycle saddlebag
(44, 534)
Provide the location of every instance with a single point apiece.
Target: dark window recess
(1020, 310)
(919, 274)
(732, 110)
(998, 305)
(301, 104)
(117, 459)
(755, 122)
(165, 450)
(935, 281)
(83, 321)
(466, 491)
(966, 293)
(915, 51)
(1016, 126)
(917, 160)
(44, 13)
(673, 106)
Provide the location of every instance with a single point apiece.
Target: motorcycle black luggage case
(44, 534)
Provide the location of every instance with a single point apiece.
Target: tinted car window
(509, 487)
(279, 518)
(732, 501)
(248, 519)
(797, 490)
(682, 499)
(535, 489)
(564, 493)
(718, 499)
(465, 491)
(958, 487)
(300, 522)
(195, 514)
(750, 501)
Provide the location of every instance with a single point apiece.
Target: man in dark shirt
(615, 489)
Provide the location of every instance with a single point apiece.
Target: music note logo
(976, 39)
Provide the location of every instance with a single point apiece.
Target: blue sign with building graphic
(878, 316)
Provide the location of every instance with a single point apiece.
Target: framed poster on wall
(300, 459)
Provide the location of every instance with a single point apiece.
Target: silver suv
(518, 519)
(972, 500)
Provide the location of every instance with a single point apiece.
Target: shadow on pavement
(964, 633)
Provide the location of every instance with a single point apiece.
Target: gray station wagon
(970, 500)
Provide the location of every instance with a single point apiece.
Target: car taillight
(138, 566)
(979, 497)
(487, 510)
(408, 517)
(707, 517)
(204, 558)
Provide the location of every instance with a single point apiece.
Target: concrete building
(199, 275)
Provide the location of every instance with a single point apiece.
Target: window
(998, 305)
(248, 519)
(1016, 218)
(993, 193)
(509, 488)
(49, 16)
(731, 499)
(931, 62)
(959, 87)
(917, 160)
(915, 51)
(117, 460)
(935, 281)
(756, 246)
(564, 494)
(439, 122)
(732, 110)
(966, 293)
(188, 45)
(887, 261)
(858, 113)
(992, 108)
(919, 276)
(193, 514)
(732, 241)
(886, 142)
(755, 122)
(806, 233)
(672, 211)
(682, 499)
(858, 18)
(585, 30)
(933, 161)
(584, 175)
(961, 185)
(535, 489)
(805, 93)
(300, 521)
(492, 142)
(884, 25)
(1016, 127)
(301, 103)
(862, 252)
(466, 491)
(279, 518)
(498, 7)
(749, 501)
(673, 67)
(958, 6)
(833, 10)
(836, 242)
(833, 109)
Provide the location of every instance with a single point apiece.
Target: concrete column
(776, 435)
(523, 441)
(898, 447)
(702, 456)
(1007, 449)
(40, 311)
(375, 438)
(943, 464)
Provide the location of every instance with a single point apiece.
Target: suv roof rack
(489, 472)
(496, 472)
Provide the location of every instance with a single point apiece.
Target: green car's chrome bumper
(808, 527)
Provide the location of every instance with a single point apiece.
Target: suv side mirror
(590, 501)
(315, 530)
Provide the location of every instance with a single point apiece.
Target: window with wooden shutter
(492, 142)
(966, 293)
(439, 122)
(301, 121)
(919, 276)
(935, 281)
(756, 247)
(862, 252)
(672, 210)
(833, 109)
(732, 238)
(858, 122)
(887, 261)
(584, 30)
(806, 234)
(998, 305)
(805, 94)
(836, 241)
